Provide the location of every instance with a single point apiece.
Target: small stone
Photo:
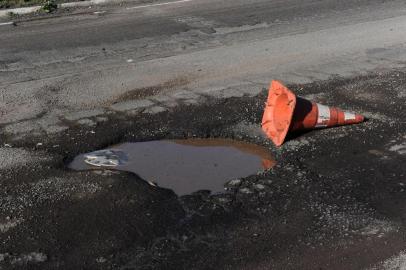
(234, 183)
(245, 191)
(152, 183)
(87, 122)
(101, 260)
(101, 119)
(259, 186)
(3, 256)
(155, 109)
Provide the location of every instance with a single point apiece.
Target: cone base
(278, 112)
(285, 112)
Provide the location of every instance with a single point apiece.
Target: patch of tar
(142, 93)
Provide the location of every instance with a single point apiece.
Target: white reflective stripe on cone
(349, 116)
(324, 115)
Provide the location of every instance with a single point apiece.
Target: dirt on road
(335, 199)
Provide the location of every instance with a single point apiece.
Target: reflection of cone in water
(267, 160)
(267, 163)
(285, 112)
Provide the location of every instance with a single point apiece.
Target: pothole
(185, 166)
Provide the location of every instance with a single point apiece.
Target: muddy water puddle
(185, 166)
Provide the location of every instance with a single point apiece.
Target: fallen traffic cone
(285, 112)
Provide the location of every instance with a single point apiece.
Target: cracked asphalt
(80, 81)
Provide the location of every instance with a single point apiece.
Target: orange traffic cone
(285, 112)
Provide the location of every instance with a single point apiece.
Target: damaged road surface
(85, 79)
(185, 166)
(334, 200)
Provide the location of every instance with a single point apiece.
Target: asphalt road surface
(85, 78)
(52, 66)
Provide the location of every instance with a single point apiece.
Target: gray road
(76, 81)
(84, 60)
